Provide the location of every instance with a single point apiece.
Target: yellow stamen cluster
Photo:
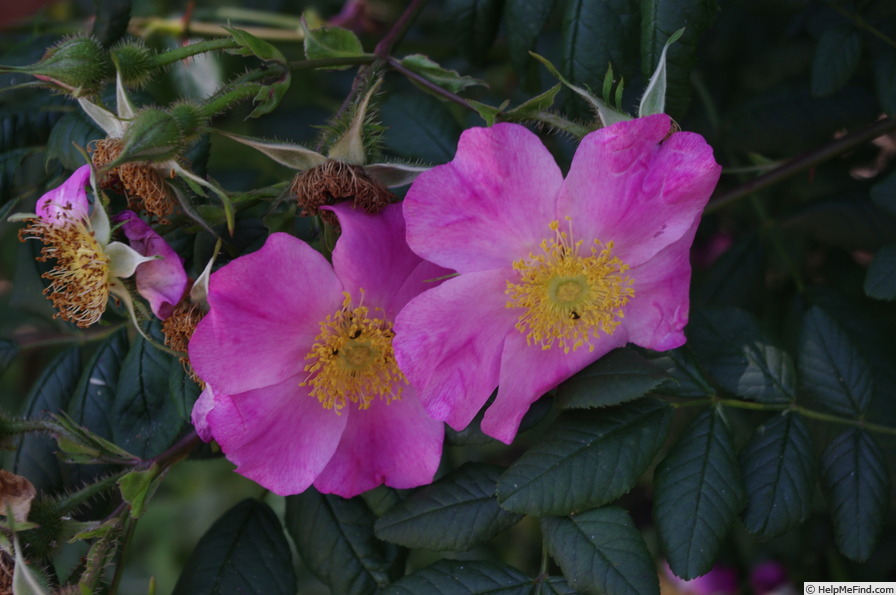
(352, 360)
(139, 181)
(569, 296)
(79, 283)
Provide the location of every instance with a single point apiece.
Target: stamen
(178, 328)
(79, 283)
(569, 298)
(139, 181)
(352, 360)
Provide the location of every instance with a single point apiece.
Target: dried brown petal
(178, 329)
(16, 493)
(335, 181)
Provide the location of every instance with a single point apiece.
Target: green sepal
(79, 445)
(137, 487)
(531, 108)
(330, 42)
(654, 99)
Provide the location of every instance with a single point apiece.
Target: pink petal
(629, 186)
(656, 316)
(265, 311)
(448, 343)
(201, 408)
(528, 371)
(396, 444)
(163, 281)
(277, 436)
(372, 254)
(68, 200)
(490, 205)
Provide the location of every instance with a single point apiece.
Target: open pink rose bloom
(302, 383)
(552, 273)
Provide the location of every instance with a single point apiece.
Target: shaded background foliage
(770, 435)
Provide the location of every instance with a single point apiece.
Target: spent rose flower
(88, 266)
(302, 384)
(552, 273)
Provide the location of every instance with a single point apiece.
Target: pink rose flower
(88, 265)
(553, 272)
(303, 386)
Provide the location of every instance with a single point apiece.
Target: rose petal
(372, 254)
(201, 408)
(396, 444)
(657, 314)
(448, 343)
(277, 436)
(265, 311)
(67, 201)
(162, 281)
(628, 187)
(528, 371)
(489, 206)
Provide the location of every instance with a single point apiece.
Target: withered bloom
(335, 181)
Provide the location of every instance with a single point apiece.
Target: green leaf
(832, 371)
(73, 130)
(463, 577)
(557, 586)
(731, 347)
(474, 24)
(855, 481)
(587, 459)
(885, 80)
(335, 539)
(698, 492)
(419, 127)
(137, 487)
(779, 468)
(621, 375)
(529, 110)
(836, 58)
(184, 391)
(35, 458)
(597, 35)
(733, 279)
(251, 45)
(523, 21)
(883, 194)
(601, 551)
(849, 222)
(9, 349)
(146, 420)
(880, 281)
(331, 42)
(688, 380)
(91, 403)
(245, 551)
(455, 513)
(660, 20)
(431, 71)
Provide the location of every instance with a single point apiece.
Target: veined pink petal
(655, 318)
(278, 435)
(396, 444)
(528, 371)
(490, 205)
(69, 200)
(448, 343)
(162, 281)
(265, 311)
(629, 186)
(199, 416)
(372, 254)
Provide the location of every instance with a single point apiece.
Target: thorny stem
(803, 162)
(804, 411)
(326, 62)
(210, 45)
(397, 67)
(863, 24)
(72, 501)
(176, 452)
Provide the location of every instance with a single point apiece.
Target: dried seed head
(139, 181)
(178, 329)
(335, 181)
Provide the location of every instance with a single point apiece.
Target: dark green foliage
(336, 541)
(245, 551)
(619, 376)
(457, 577)
(464, 500)
(699, 491)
